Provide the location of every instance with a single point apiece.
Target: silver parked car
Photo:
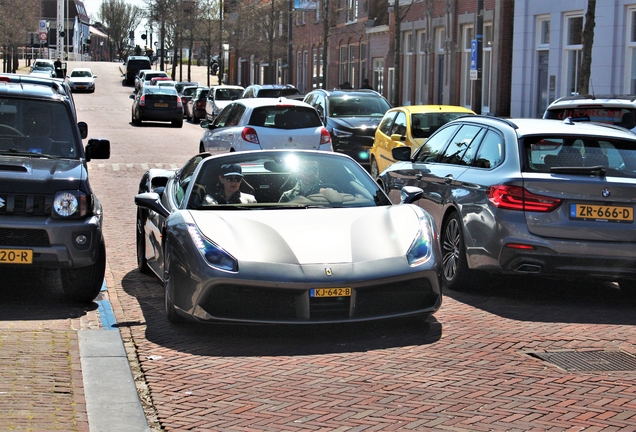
(265, 123)
(284, 236)
(528, 197)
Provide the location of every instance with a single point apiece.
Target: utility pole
(290, 51)
(220, 60)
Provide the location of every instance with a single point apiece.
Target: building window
(342, 74)
(390, 84)
(352, 10)
(543, 32)
(631, 51)
(407, 77)
(302, 82)
(466, 97)
(352, 65)
(421, 73)
(378, 74)
(299, 70)
(573, 52)
(363, 62)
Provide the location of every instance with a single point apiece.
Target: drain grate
(589, 361)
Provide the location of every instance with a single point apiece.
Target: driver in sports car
(227, 190)
(308, 182)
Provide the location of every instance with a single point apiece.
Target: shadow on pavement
(271, 340)
(36, 294)
(544, 300)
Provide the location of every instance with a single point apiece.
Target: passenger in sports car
(308, 182)
(227, 190)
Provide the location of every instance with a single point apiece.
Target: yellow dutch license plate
(16, 256)
(161, 105)
(602, 213)
(330, 292)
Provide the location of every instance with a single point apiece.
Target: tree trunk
(588, 41)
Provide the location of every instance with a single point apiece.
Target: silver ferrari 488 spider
(285, 236)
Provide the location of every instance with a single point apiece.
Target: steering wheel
(17, 132)
(316, 189)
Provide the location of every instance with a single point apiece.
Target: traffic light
(62, 34)
(131, 34)
(143, 36)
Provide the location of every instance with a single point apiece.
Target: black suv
(49, 216)
(351, 117)
(133, 65)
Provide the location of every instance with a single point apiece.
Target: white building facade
(547, 51)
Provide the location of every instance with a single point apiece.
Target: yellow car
(408, 126)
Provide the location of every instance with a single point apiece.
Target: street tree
(207, 30)
(17, 19)
(120, 18)
(588, 41)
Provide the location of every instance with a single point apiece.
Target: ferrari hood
(312, 236)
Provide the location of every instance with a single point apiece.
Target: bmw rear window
(615, 158)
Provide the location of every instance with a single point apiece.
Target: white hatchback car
(82, 79)
(265, 123)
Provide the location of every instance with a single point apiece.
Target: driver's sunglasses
(234, 179)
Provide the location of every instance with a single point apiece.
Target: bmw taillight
(142, 100)
(250, 135)
(325, 136)
(517, 198)
(179, 103)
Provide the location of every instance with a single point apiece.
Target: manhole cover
(589, 361)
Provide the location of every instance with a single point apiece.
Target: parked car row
(532, 197)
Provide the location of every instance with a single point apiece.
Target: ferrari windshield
(279, 179)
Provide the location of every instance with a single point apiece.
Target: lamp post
(221, 62)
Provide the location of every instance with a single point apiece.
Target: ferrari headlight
(421, 249)
(214, 255)
(70, 204)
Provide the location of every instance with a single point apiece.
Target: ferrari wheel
(142, 263)
(456, 275)
(168, 290)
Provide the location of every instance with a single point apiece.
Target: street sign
(474, 46)
(42, 36)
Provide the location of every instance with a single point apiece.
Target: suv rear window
(624, 117)
(138, 64)
(285, 117)
(266, 93)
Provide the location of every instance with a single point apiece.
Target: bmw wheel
(455, 272)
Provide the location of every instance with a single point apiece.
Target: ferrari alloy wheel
(454, 265)
(142, 264)
(374, 169)
(168, 289)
